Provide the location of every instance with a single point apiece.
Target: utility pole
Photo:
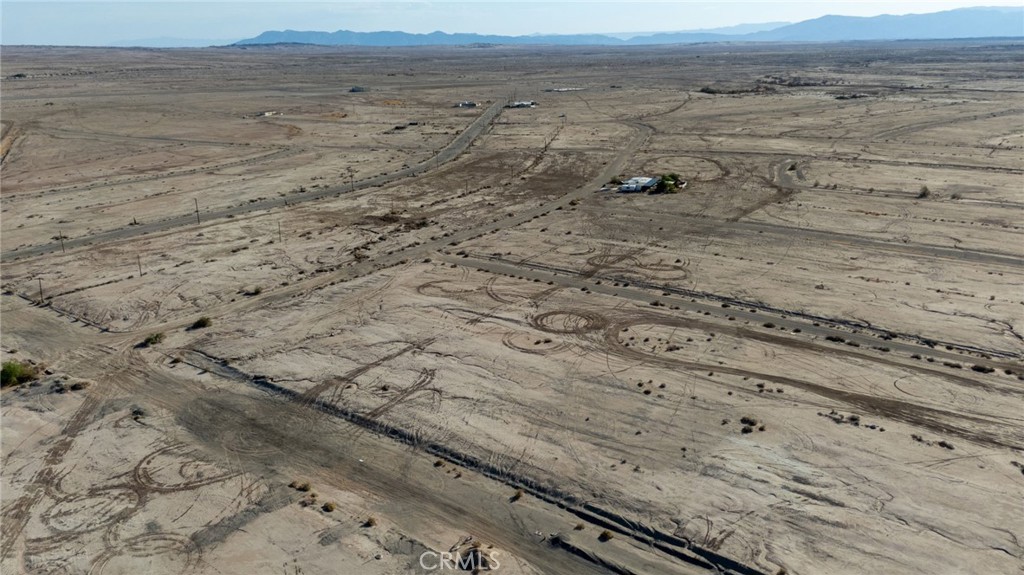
(40, 291)
(138, 259)
(197, 209)
(60, 236)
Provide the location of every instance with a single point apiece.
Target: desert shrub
(202, 322)
(982, 368)
(370, 522)
(15, 372)
(517, 495)
(605, 536)
(304, 486)
(579, 527)
(747, 429)
(924, 192)
(153, 339)
(747, 420)
(329, 506)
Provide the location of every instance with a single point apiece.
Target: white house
(638, 184)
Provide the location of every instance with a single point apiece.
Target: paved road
(449, 153)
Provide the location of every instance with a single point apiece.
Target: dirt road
(447, 154)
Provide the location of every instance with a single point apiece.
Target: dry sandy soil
(435, 329)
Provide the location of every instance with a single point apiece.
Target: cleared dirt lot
(443, 323)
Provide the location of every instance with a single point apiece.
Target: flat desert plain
(291, 310)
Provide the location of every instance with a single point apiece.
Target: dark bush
(202, 322)
(15, 372)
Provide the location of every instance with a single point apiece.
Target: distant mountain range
(731, 30)
(960, 23)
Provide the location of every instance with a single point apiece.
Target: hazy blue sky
(90, 23)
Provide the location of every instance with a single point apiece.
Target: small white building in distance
(638, 184)
(523, 104)
(466, 104)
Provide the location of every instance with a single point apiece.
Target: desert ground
(290, 310)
